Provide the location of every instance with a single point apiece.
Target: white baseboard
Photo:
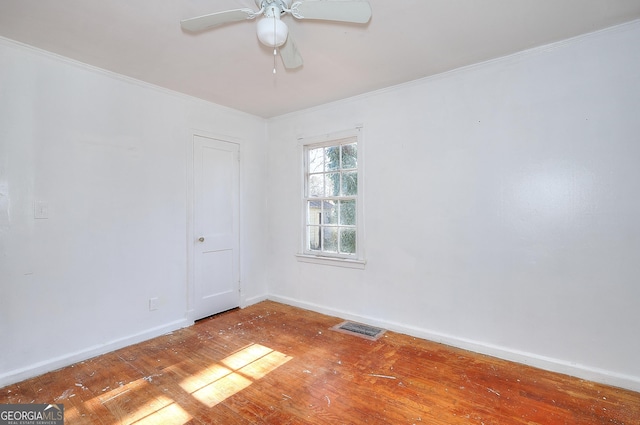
(530, 359)
(546, 363)
(253, 300)
(30, 371)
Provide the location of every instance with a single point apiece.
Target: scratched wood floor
(275, 364)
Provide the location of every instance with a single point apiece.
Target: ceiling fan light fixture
(272, 31)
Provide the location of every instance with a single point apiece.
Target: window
(332, 206)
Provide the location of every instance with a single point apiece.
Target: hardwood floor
(275, 364)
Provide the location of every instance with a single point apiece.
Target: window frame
(355, 260)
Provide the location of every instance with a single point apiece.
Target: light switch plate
(41, 209)
(153, 304)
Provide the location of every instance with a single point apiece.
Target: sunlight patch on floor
(170, 414)
(201, 379)
(245, 356)
(217, 383)
(140, 403)
(222, 389)
(265, 365)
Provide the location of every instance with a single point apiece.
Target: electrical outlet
(153, 304)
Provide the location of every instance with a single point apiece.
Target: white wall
(502, 208)
(109, 157)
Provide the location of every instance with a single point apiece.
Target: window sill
(329, 261)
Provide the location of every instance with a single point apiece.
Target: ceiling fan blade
(289, 52)
(356, 11)
(216, 19)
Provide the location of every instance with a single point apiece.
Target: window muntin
(331, 198)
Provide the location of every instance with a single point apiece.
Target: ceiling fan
(273, 32)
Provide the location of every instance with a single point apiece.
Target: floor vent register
(358, 329)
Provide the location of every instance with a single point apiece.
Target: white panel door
(216, 213)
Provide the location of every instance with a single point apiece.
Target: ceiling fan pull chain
(275, 51)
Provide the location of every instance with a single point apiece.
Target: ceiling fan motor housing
(280, 4)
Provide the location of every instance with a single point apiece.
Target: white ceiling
(405, 40)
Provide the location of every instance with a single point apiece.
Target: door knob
(201, 238)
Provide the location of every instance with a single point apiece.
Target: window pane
(350, 183)
(330, 239)
(314, 238)
(316, 185)
(332, 182)
(349, 156)
(348, 213)
(330, 212)
(348, 240)
(316, 160)
(331, 204)
(313, 212)
(332, 157)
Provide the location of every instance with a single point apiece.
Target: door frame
(191, 233)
